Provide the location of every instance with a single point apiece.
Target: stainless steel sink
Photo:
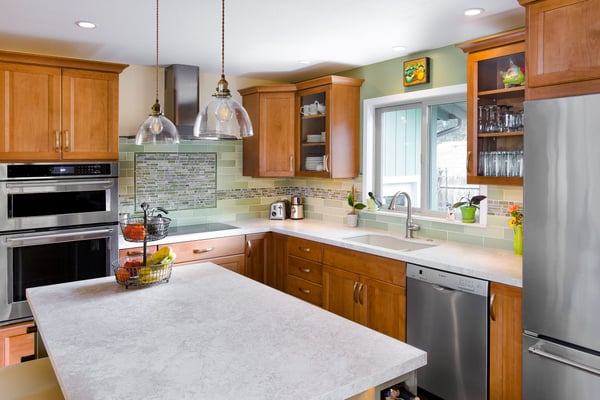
(390, 242)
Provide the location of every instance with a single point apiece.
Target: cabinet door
(340, 292)
(90, 115)
(494, 117)
(256, 255)
(277, 261)
(29, 113)
(270, 151)
(562, 55)
(505, 342)
(384, 307)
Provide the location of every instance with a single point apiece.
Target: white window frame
(368, 144)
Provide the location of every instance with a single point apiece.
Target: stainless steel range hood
(181, 98)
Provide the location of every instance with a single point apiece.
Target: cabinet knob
(304, 249)
(305, 291)
(306, 270)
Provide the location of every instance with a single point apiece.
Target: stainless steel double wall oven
(58, 223)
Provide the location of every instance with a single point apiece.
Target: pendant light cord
(222, 37)
(156, 64)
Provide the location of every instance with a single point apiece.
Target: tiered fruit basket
(146, 269)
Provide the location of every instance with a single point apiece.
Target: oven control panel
(56, 170)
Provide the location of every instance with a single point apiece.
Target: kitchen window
(417, 142)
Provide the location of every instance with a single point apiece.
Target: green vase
(518, 240)
(468, 214)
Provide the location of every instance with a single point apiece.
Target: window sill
(430, 218)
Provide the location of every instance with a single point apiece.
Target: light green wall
(448, 66)
(325, 198)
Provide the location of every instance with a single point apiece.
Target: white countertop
(495, 265)
(209, 333)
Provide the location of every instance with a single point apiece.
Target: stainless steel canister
(297, 211)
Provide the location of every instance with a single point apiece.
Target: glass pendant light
(223, 117)
(157, 129)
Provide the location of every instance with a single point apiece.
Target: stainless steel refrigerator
(561, 249)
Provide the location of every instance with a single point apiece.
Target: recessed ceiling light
(473, 11)
(305, 62)
(399, 48)
(85, 24)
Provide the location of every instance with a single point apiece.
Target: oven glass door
(51, 257)
(55, 203)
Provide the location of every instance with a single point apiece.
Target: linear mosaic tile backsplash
(237, 197)
(176, 181)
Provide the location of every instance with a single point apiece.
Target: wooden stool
(31, 380)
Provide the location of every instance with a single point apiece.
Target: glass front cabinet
(496, 79)
(328, 127)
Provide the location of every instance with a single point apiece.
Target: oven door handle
(66, 236)
(102, 184)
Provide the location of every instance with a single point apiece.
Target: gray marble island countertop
(208, 334)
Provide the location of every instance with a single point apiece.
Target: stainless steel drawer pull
(305, 291)
(492, 301)
(360, 294)
(304, 249)
(307, 270)
(206, 250)
(563, 360)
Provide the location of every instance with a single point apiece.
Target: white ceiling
(263, 38)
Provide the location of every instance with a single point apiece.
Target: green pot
(468, 214)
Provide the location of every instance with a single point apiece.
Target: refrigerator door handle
(542, 353)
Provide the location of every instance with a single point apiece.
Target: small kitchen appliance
(297, 210)
(280, 209)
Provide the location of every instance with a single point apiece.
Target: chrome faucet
(410, 226)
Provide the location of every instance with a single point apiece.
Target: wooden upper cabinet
(495, 109)
(562, 47)
(90, 121)
(328, 140)
(53, 108)
(270, 151)
(29, 112)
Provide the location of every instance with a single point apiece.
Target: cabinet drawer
(305, 249)
(308, 270)
(381, 268)
(197, 250)
(304, 290)
(137, 251)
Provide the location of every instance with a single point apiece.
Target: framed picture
(416, 71)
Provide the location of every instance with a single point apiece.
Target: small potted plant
(352, 218)
(469, 207)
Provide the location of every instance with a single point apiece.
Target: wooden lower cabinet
(505, 342)
(16, 343)
(365, 288)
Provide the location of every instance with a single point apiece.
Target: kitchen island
(213, 334)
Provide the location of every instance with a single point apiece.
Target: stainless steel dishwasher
(447, 316)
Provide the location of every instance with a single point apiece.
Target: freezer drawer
(554, 371)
